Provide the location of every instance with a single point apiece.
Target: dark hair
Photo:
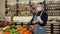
(40, 3)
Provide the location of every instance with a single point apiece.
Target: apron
(38, 29)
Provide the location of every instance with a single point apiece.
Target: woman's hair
(40, 3)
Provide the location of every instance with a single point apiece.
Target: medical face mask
(38, 9)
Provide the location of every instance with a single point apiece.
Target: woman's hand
(40, 21)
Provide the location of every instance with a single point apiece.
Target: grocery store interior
(18, 12)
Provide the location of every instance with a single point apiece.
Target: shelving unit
(17, 8)
(53, 8)
(23, 8)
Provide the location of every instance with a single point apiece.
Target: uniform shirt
(44, 18)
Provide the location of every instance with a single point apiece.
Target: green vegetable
(14, 30)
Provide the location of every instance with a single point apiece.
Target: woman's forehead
(38, 5)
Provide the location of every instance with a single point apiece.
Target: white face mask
(38, 8)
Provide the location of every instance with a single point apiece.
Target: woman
(39, 21)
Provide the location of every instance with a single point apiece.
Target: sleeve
(44, 18)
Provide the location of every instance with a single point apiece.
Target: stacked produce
(18, 30)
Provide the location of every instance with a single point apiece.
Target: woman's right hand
(34, 22)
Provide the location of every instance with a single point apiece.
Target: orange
(26, 32)
(7, 32)
(30, 32)
(24, 29)
(19, 27)
(21, 32)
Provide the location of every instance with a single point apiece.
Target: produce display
(17, 30)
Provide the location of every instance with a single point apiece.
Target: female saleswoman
(39, 21)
